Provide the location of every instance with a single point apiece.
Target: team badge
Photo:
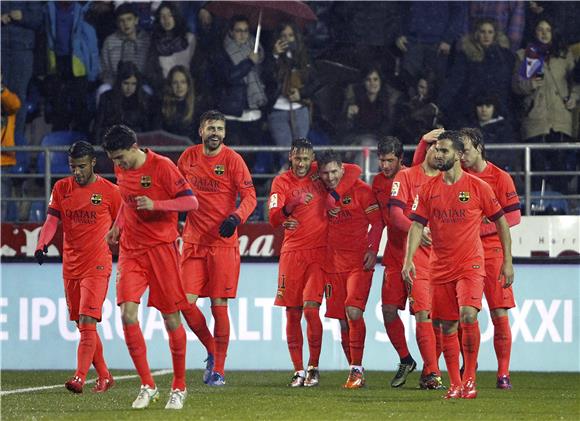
(96, 198)
(219, 169)
(146, 181)
(346, 200)
(464, 196)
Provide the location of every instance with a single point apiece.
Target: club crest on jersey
(96, 198)
(146, 181)
(219, 169)
(463, 196)
(346, 200)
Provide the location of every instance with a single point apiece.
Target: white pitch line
(35, 389)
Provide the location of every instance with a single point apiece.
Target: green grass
(264, 396)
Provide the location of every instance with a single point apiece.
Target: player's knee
(422, 316)
(498, 312)
(311, 304)
(353, 313)
(172, 321)
(390, 313)
(191, 298)
(449, 327)
(468, 316)
(87, 319)
(129, 313)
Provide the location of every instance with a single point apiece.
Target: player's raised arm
(424, 143)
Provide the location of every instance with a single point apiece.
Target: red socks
(344, 340)
(357, 333)
(396, 333)
(86, 349)
(138, 351)
(427, 346)
(99, 360)
(470, 340)
(438, 341)
(502, 342)
(196, 322)
(294, 336)
(177, 345)
(221, 335)
(314, 334)
(451, 354)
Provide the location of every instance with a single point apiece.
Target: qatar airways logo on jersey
(449, 216)
(204, 184)
(81, 216)
(342, 217)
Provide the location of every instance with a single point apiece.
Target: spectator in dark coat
(178, 110)
(483, 64)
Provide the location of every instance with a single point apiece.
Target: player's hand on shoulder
(40, 254)
(144, 203)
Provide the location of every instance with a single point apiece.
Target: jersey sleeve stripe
(187, 192)
(496, 215)
(418, 218)
(397, 203)
(372, 208)
(53, 212)
(512, 207)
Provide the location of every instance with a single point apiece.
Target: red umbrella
(265, 14)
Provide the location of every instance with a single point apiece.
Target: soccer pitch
(263, 395)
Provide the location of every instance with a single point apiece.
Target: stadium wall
(35, 332)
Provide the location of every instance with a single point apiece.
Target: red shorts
(300, 277)
(395, 292)
(158, 269)
(496, 295)
(86, 296)
(447, 298)
(210, 271)
(346, 289)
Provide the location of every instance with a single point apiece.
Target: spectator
(128, 43)
(418, 114)
(240, 91)
(509, 15)
(543, 77)
(171, 42)
(487, 115)
(483, 64)
(366, 109)
(290, 83)
(10, 107)
(21, 22)
(429, 30)
(178, 104)
(127, 103)
(73, 62)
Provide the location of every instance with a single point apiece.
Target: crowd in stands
(361, 71)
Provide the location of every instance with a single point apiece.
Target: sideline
(35, 389)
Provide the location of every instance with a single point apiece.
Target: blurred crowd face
(389, 164)
(287, 35)
(423, 88)
(484, 112)
(129, 86)
(166, 19)
(179, 85)
(373, 83)
(544, 32)
(127, 24)
(485, 34)
(240, 32)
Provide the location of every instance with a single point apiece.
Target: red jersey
(348, 231)
(311, 216)
(217, 181)
(395, 250)
(87, 213)
(159, 179)
(505, 192)
(454, 213)
(404, 193)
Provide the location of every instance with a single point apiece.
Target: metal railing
(365, 154)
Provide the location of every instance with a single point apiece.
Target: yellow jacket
(10, 106)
